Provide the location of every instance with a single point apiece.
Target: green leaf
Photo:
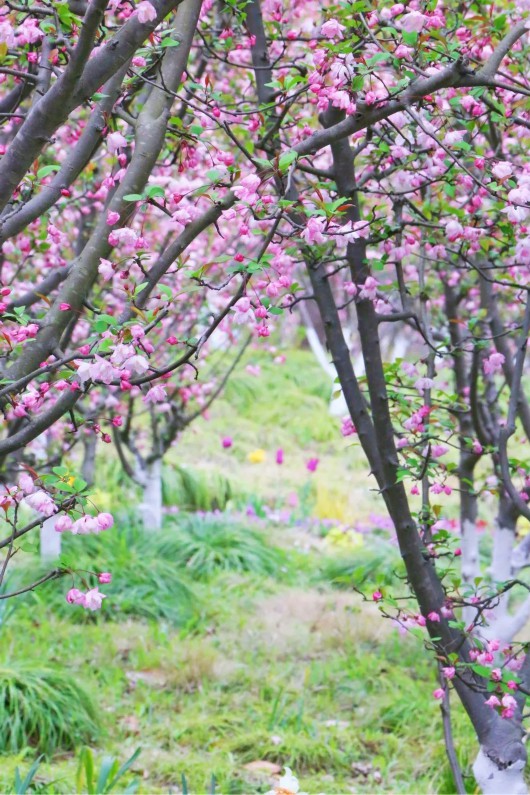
(107, 768)
(170, 43)
(213, 174)
(46, 170)
(165, 290)
(286, 159)
(481, 670)
(133, 197)
(124, 768)
(410, 38)
(155, 191)
(500, 22)
(357, 83)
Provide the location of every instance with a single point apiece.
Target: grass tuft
(209, 544)
(45, 709)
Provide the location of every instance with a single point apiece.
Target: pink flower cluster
(85, 525)
(91, 600)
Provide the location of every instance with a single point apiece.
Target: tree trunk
(50, 540)
(493, 780)
(88, 469)
(151, 505)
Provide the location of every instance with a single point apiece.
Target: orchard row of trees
(177, 174)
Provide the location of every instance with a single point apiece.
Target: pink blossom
(453, 231)
(348, 428)
(509, 705)
(279, 456)
(98, 370)
(116, 140)
(423, 383)
(439, 693)
(313, 231)
(86, 524)
(493, 702)
(312, 464)
(496, 674)
(449, 672)
(112, 217)
(123, 236)
(26, 483)
(438, 450)
(145, 12)
(157, 394)
(106, 269)
(402, 51)
(75, 597)
(104, 578)
(227, 442)
(247, 189)
(63, 523)
(454, 137)
(377, 596)
(413, 22)
(369, 289)
(433, 616)
(493, 364)
(502, 170)
(42, 502)
(105, 520)
(93, 599)
(350, 288)
(332, 29)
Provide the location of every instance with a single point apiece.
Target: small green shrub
(110, 772)
(45, 709)
(193, 490)
(207, 544)
(374, 564)
(144, 583)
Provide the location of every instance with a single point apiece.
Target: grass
(227, 642)
(145, 584)
(205, 545)
(300, 676)
(43, 708)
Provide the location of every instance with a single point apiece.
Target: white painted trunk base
(50, 540)
(493, 781)
(470, 562)
(151, 506)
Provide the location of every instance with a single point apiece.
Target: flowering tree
(184, 165)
